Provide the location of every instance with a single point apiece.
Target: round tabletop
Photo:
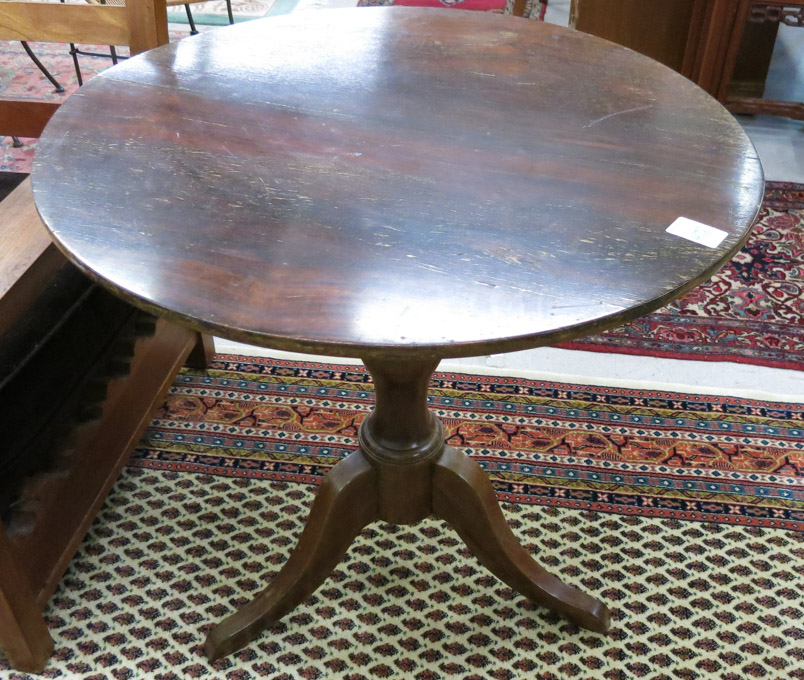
(395, 181)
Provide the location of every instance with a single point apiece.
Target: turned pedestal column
(402, 473)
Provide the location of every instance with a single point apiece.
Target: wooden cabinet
(694, 37)
(661, 29)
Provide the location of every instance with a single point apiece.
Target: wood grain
(345, 503)
(738, 39)
(24, 237)
(48, 22)
(464, 497)
(25, 118)
(656, 28)
(402, 473)
(202, 353)
(400, 181)
(399, 185)
(754, 105)
(100, 449)
(147, 24)
(57, 505)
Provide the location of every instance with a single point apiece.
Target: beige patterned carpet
(684, 513)
(174, 551)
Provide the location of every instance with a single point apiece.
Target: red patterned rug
(751, 311)
(685, 513)
(20, 79)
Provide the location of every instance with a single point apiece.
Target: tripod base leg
(464, 497)
(345, 503)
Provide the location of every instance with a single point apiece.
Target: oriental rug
(751, 311)
(685, 513)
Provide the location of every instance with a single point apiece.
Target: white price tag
(697, 232)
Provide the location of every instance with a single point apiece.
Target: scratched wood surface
(395, 181)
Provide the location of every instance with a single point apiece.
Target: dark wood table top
(395, 182)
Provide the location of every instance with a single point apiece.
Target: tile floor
(780, 143)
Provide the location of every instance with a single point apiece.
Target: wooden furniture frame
(632, 23)
(790, 12)
(725, 46)
(75, 51)
(56, 506)
(535, 9)
(693, 38)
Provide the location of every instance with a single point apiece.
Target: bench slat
(49, 22)
(25, 118)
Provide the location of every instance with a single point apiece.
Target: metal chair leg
(16, 142)
(229, 11)
(193, 30)
(74, 53)
(42, 68)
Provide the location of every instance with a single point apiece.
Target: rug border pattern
(514, 480)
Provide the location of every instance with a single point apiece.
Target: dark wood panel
(656, 28)
(742, 37)
(97, 451)
(51, 500)
(793, 110)
(24, 636)
(753, 60)
(689, 36)
(70, 318)
(10, 181)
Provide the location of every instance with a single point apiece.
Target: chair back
(140, 24)
(530, 9)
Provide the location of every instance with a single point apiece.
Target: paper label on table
(697, 232)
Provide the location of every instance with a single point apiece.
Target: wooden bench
(80, 371)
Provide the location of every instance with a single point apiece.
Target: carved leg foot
(345, 503)
(464, 497)
(24, 636)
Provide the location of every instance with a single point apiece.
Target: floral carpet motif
(684, 513)
(751, 311)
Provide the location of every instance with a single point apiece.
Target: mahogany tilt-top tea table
(399, 185)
